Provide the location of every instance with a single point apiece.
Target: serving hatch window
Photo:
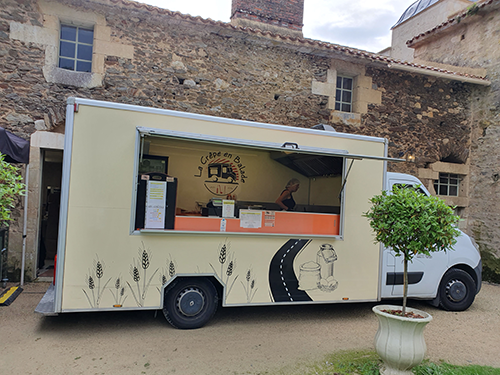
(225, 187)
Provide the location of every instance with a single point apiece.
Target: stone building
(419, 17)
(257, 68)
(471, 39)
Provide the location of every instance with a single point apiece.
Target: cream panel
(107, 266)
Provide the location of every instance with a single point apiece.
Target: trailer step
(46, 306)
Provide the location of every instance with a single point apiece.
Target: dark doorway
(50, 191)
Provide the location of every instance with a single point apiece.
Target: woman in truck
(285, 200)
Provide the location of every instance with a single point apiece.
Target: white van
(176, 211)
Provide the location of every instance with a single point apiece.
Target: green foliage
(11, 188)
(368, 363)
(472, 9)
(447, 369)
(412, 223)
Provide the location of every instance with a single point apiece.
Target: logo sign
(222, 172)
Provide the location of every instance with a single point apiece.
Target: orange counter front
(272, 222)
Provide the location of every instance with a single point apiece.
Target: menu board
(155, 204)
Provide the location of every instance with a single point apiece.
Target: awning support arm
(142, 147)
(345, 179)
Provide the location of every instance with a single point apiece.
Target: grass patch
(444, 368)
(368, 363)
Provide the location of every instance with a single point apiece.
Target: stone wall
(283, 13)
(183, 64)
(474, 42)
(425, 20)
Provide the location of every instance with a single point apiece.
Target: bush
(11, 188)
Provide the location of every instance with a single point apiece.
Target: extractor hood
(310, 165)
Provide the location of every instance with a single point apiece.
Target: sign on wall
(222, 172)
(155, 205)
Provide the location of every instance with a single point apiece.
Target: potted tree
(411, 223)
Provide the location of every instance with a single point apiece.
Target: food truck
(174, 211)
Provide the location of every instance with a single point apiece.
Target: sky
(362, 24)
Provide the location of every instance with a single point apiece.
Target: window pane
(347, 83)
(443, 190)
(454, 191)
(346, 96)
(436, 188)
(337, 106)
(83, 66)
(84, 52)
(85, 36)
(67, 64)
(339, 82)
(338, 95)
(68, 32)
(67, 49)
(443, 179)
(346, 108)
(453, 181)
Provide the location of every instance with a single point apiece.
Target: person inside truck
(285, 200)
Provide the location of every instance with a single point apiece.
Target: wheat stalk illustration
(222, 258)
(143, 262)
(249, 286)
(119, 292)
(170, 271)
(97, 273)
(89, 281)
(226, 257)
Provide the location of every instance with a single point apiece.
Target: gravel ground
(250, 340)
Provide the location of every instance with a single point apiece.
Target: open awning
(15, 149)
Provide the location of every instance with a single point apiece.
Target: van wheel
(190, 303)
(457, 290)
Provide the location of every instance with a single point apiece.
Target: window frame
(75, 59)
(449, 176)
(247, 144)
(340, 91)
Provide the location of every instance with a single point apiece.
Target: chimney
(278, 16)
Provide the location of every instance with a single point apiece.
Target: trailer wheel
(190, 303)
(457, 290)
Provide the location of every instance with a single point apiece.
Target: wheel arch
(461, 266)
(208, 276)
(469, 270)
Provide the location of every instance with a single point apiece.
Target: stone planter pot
(400, 341)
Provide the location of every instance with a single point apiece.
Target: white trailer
(176, 211)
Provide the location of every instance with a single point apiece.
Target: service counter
(303, 223)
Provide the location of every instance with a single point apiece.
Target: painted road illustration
(282, 279)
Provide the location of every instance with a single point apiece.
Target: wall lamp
(408, 155)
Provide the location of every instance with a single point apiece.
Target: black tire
(190, 303)
(457, 290)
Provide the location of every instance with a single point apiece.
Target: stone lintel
(443, 167)
(426, 173)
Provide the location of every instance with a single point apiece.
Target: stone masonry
(281, 13)
(472, 41)
(161, 59)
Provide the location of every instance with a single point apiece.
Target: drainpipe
(25, 222)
